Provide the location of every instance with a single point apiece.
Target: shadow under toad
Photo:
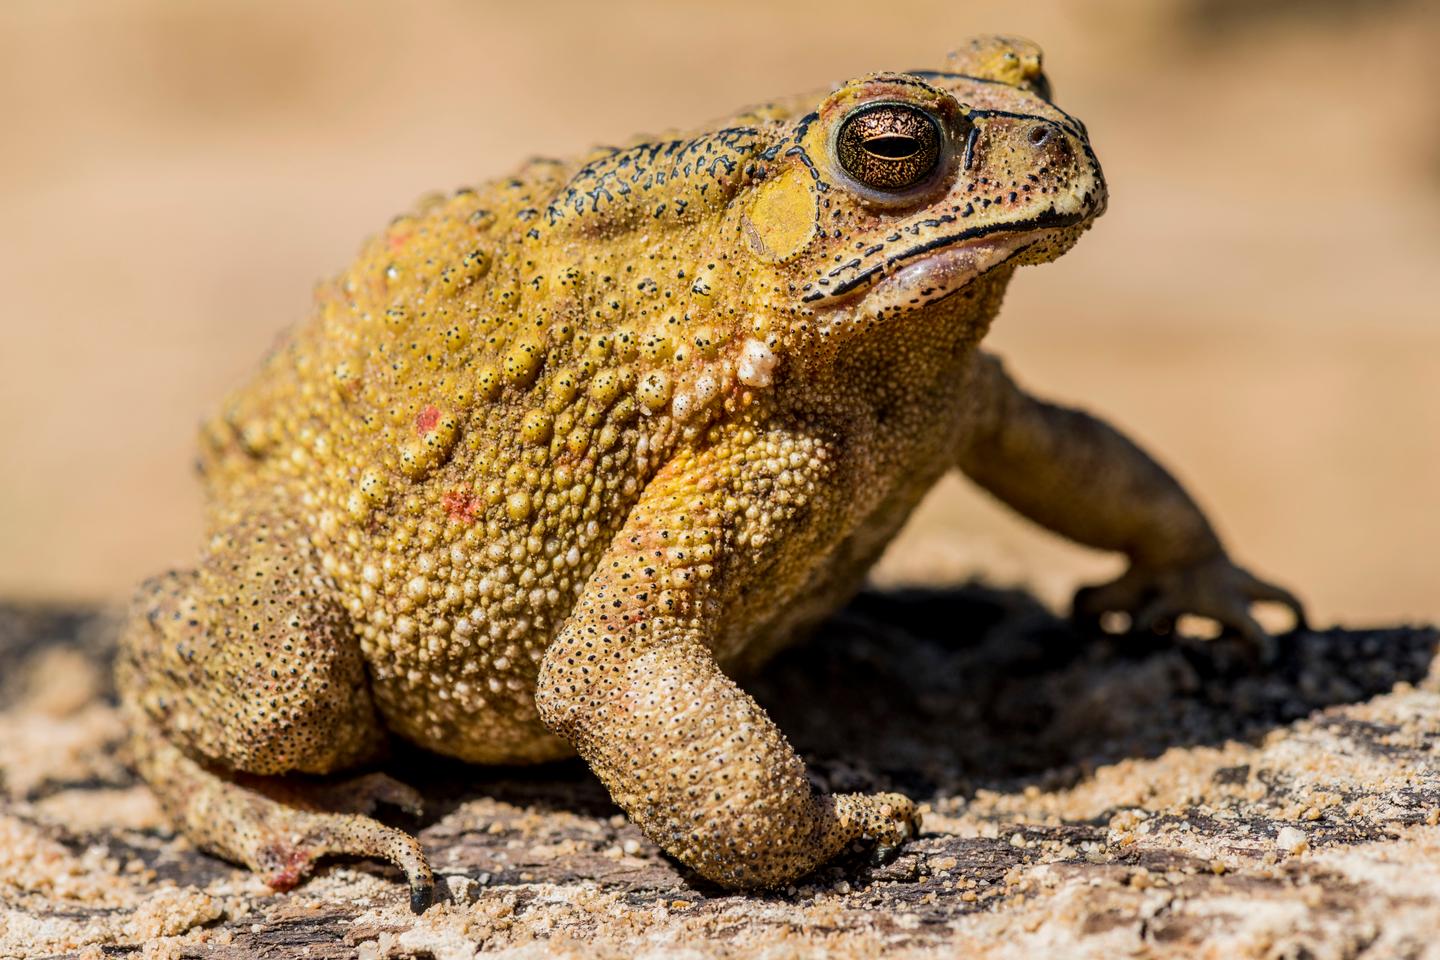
(947, 690)
(943, 691)
(934, 692)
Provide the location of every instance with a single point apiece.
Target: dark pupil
(889, 146)
(893, 147)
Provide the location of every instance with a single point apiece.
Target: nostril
(1039, 135)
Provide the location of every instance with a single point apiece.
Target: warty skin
(559, 455)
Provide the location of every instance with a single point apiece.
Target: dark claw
(883, 853)
(1265, 650)
(422, 895)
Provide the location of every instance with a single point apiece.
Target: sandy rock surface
(1085, 797)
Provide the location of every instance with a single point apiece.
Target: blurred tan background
(1259, 306)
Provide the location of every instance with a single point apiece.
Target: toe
(422, 894)
(1156, 616)
(1257, 590)
(1266, 650)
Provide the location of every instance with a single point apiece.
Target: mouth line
(864, 281)
(943, 291)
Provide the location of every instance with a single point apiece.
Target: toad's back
(474, 407)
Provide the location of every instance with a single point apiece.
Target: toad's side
(558, 454)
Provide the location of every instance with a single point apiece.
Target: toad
(560, 455)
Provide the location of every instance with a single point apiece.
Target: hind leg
(245, 669)
(275, 827)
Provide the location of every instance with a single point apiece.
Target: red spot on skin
(460, 505)
(398, 240)
(285, 878)
(426, 419)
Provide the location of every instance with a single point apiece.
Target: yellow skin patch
(781, 219)
(559, 455)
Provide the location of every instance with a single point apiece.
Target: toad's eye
(889, 146)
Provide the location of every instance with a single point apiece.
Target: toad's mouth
(942, 266)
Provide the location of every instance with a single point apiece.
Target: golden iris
(889, 146)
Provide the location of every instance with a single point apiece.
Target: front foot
(1154, 597)
(886, 821)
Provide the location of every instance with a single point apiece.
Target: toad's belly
(471, 694)
(475, 722)
(491, 718)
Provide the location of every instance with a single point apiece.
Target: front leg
(1081, 478)
(632, 683)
